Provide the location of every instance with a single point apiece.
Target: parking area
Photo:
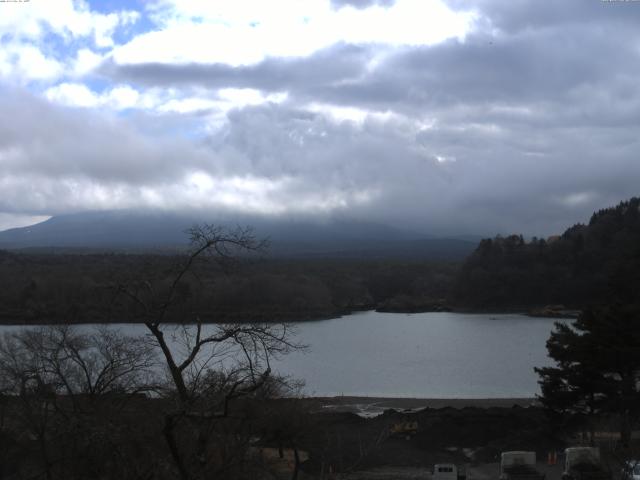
(482, 471)
(491, 471)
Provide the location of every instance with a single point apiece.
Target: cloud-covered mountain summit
(441, 116)
(130, 230)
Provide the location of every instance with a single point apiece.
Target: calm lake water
(429, 355)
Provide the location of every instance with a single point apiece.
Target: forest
(588, 264)
(68, 288)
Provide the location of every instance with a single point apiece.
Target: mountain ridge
(156, 230)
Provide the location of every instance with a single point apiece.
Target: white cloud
(67, 18)
(79, 95)
(85, 61)
(104, 26)
(352, 114)
(123, 97)
(27, 62)
(248, 194)
(242, 96)
(24, 55)
(253, 194)
(446, 135)
(189, 105)
(245, 32)
(196, 190)
(73, 94)
(221, 101)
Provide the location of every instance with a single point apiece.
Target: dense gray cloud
(562, 67)
(39, 138)
(53, 158)
(382, 164)
(519, 15)
(442, 179)
(340, 62)
(527, 125)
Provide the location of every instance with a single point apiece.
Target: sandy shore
(372, 406)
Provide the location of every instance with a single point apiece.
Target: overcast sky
(444, 116)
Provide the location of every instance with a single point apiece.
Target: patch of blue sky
(58, 46)
(124, 33)
(111, 6)
(64, 49)
(97, 84)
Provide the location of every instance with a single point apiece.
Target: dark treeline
(587, 264)
(46, 288)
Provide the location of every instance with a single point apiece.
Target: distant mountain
(108, 229)
(158, 231)
(594, 263)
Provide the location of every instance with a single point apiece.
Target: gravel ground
(483, 471)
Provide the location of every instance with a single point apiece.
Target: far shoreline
(373, 406)
(287, 320)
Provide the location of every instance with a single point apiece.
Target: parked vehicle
(448, 471)
(519, 465)
(631, 470)
(583, 463)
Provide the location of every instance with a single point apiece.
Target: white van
(519, 465)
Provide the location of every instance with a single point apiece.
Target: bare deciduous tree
(68, 394)
(65, 390)
(209, 365)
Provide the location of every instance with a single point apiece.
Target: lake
(423, 355)
(429, 355)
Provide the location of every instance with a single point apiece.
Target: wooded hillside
(593, 263)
